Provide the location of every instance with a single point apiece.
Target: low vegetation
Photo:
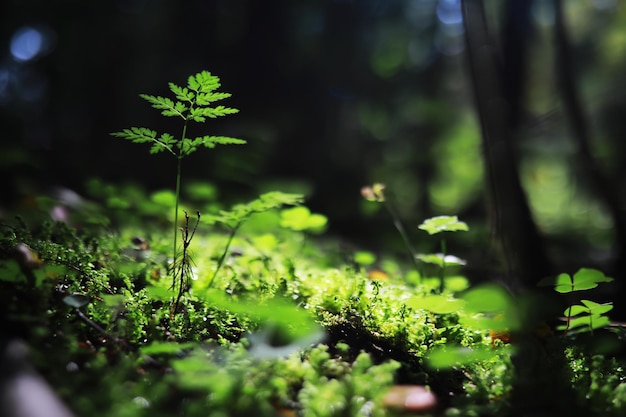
(257, 317)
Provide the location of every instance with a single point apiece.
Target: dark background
(333, 95)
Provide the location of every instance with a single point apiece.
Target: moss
(283, 331)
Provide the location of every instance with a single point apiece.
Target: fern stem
(179, 164)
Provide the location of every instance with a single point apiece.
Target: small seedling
(193, 104)
(76, 301)
(183, 269)
(376, 193)
(436, 225)
(240, 213)
(588, 315)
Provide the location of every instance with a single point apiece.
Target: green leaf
(180, 108)
(588, 322)
(584, 279)
(214, 112)
(76, 300)
(181, 93)
(277, 312)
(276, 199)
(440, 224)
(447, 357)
(143, 135)
(456, 283)
(487, 298)
(114, 300)
(187, 147)
(490, 307)
(596, 308)
(266, 242)
(201, 191)
(364, 258)
(575, 310)
(136, 134)
(268, 201)
(203, 82)
(164, 198)
(165, 348)
(587, 278)
(167, 139)
(158, 293)
(598, 322)
(164, 142)
(438, 304)
(167, 106)
(197, 115)
(438, 259)
(212, 141)
(301, 219)
(564, 284)
(204, 99)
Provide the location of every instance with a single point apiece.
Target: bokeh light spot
(26, 43)
(30, 42)
(449, 12)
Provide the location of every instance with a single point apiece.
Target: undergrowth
(257, 318)
(278, 330)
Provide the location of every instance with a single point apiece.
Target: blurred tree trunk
(541, 386)
(498, 94)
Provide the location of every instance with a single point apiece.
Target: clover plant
(301, 219)
(588, 315)
(436, 225)
(193, 104)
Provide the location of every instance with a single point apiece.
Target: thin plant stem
(183, 270)
(220, 263)
(443, 265)
(398, 225)
(90, 322)
(177, 195)
(569, 320)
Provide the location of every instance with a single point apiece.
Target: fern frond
(212, 141)
(196, 114)
(136, 134)
(276, 199)
(167, 139)
(204, 99)
(200, 114)
(144, 135)
(219, 111)
(187, 147)
(181, 93)
(165, 142)
(166, 105)
(268, 201)
(203, 82)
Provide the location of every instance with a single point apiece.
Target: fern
(192, 104)
(240, 213)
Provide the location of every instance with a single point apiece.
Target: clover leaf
(440, 224)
